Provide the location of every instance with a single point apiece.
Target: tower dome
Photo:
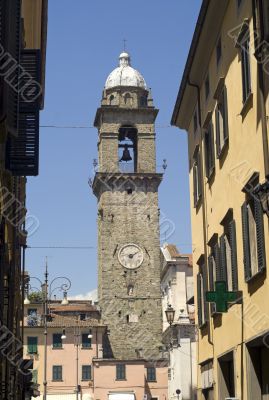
(125, 75)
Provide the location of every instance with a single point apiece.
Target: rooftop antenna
(124, 44)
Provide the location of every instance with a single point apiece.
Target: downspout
(209, 337)
(258, 40)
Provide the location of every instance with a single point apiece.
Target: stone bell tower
(126, 187)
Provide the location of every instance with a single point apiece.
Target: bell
(126, 156)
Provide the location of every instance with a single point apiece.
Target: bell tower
(126, 186)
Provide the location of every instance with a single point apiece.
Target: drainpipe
(203, 190)
(258, 40)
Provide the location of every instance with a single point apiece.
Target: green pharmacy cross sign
(221, 297)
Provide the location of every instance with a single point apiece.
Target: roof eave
(188, 66)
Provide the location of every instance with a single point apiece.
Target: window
(120, 372)
(86, 372)
(209, 151)
(228, 256)
(128, 99)
(57, 373)
(86, 342)
(202, 288)
(197, 183)
(82, 317)
(253, 237)
(32, 311)
(32, 344)
(57, 341)
(151, 374)
(112, 100)
(222, 127)
(219, 51)
(207, 87)
(244, 44)
(226, 376)
(143, 101)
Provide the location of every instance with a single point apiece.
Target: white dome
(125, 75)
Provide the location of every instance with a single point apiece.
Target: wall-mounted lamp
(63, 335)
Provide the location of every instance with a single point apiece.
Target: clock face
(130, 256)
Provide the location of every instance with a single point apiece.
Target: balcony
(33, 320)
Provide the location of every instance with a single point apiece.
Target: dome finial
(125, 59)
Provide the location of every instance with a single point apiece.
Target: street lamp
(46, 290)
(170, 314)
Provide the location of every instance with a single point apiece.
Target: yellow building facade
(223, 105)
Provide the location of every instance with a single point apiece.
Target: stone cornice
(112, 180)
(149, 111)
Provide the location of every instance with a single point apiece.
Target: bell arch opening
(127, 149)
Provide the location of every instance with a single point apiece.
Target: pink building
(75, 358)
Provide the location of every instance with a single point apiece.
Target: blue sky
(85, 39)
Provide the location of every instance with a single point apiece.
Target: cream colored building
(223, 105)
(180, 337)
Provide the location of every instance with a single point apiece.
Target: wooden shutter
(225, 119)
(265, 16)
(207, 153)
(223, 259)
(195, 177)
(199, 175)
(22, 156)
(211, 280)
(205, 289)
(217, 261)
(260, 234)
(212, 150)
(246, 248)
(199, 300)
(232, 241)
(217, 131)
(12, 47)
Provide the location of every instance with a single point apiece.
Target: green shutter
(260, 234)
(223, 259)
(199, 300)
(246, 248)
(32, 345)
(225, 119)
(232, 237)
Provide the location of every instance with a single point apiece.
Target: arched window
(127, 149)
(128, 99)
(143, 101)
(112, 100)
